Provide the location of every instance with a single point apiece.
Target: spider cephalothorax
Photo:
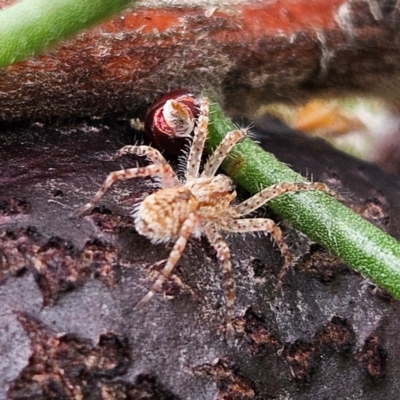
(201, 204)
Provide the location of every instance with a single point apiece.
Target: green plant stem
(31, 26)
(321, 217)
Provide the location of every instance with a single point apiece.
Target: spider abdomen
(161, 215)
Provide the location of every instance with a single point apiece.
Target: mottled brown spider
(201, 204)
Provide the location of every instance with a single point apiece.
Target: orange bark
(244, 53)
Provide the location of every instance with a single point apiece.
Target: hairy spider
(199, 205)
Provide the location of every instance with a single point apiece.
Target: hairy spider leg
(151, 154)
(143, 151)
(173, 257)
(200, 135)
(269, 193)
(266, 225)
(265, 195)
(224, 255)
(222, 151)
(164, 170)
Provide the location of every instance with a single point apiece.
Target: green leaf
(30, 26)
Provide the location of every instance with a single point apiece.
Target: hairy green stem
(321, 217)
(31, 26)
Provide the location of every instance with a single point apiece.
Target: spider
(201, 204)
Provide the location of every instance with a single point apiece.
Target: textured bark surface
(68, 286)
(244, 52)
(68, 326)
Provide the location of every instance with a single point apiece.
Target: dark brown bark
(68, 287)
(244, 54)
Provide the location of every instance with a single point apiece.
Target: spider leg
(269, 193)
(267, 225)
(164, 170)
(222, 151)
(173, 257)
(143, 151)
(200, 135)
(224, 255)
(152, 155)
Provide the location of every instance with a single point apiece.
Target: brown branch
(245, 53)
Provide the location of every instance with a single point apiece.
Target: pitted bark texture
(68, 287)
